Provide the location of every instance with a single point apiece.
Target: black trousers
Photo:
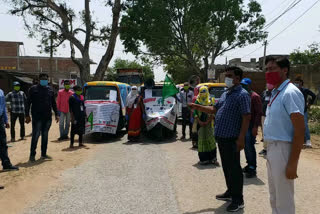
(3, 145)
(230, 159)
(13, 119)
(186, 113)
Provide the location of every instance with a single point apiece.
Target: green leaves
(190, 30)
(306, 57)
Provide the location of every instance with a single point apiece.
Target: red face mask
(273, 78)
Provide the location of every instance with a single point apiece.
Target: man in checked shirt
(17, 101)
(232, 120)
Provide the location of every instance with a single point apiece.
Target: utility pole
(264, 56)
(51, 55)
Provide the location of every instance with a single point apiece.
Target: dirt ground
(25, 186)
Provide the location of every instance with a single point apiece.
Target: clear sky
(305, 31)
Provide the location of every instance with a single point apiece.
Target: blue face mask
(43, 82)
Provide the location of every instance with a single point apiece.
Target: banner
(103, 116)
(157, 113)
(73, 82)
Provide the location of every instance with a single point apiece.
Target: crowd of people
(231, 125)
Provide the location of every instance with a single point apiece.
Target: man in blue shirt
(231, 125)
(284, 135)
(3, 137)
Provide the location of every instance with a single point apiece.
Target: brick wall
(8, 49)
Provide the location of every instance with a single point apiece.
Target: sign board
(104, 116)
(165, 114)
(73, 82)
(8, 68)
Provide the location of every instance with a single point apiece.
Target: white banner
(73, 82)
(104, 116)
(157, 113)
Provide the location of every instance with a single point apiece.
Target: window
(157, 92)
(108, 93)
(216, 92)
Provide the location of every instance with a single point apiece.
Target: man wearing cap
(255, 122)
(7, 166)
(17, 100)
(63, 108)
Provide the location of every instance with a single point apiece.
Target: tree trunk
(105, 60)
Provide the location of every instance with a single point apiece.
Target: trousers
(3, 145)
(13, 119)
(281, 189)
(64, 124)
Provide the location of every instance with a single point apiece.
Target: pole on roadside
(264, 56)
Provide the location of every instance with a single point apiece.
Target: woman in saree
(134, 110)
(207, 150)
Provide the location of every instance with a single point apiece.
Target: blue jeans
(64, 124)
(250, 149)
(307, 131)
(40, 126)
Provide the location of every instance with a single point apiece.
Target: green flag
(90, 120)
(169, 89)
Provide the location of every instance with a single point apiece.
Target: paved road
(151, 178)
(122, 178)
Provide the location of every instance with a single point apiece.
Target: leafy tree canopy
(57, 21)
(193, 31)
(306, 57)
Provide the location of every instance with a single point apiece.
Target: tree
(194, 31)
(120, 63)
(55, 20)
(306, 57)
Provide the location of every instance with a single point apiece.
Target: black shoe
(235, 206)
(32, 159)
(46, 157)
(10, 168)
(66, 137)
(224, 197)
(245, 169)
(263, 152)
(251, 174)
(60, 139)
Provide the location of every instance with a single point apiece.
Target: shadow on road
(74, 148)
(204, 167)
(219, 210)
(101, 138)
(31, 164)
(253, 181)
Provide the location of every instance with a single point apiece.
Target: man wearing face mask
(17, 100)
(63, 108)
(308, 102)
(284, 134)
(185, 97)
(41, 101)
(231, 125)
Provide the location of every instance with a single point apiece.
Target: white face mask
(229, 82)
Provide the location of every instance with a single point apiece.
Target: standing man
(266, 95)
(231, 125)
(18, 101)
(41, 101)
(63, 108)
(284, 134)
(256, 111)
(3, 138)
(185, 97)
(308, 102)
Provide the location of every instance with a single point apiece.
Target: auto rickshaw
(161, 118)
(105, 103)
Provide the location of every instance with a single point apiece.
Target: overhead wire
(305, 12)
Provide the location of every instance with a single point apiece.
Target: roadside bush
(314, 114)
(314, 128)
